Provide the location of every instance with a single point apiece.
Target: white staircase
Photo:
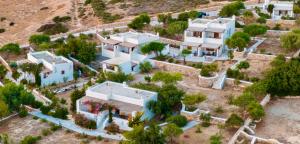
(219, 84)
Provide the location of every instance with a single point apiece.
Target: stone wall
(262, 57)
(185, 70)
(272, 23)
(207, 82)
(230, 81)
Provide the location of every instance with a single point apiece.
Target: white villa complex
(123, 49)
(126, 102)
(206, 37)
(281, 8)
(57, 69)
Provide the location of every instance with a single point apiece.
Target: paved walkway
(68, 124)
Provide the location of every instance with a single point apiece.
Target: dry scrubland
(28, 16)
(17, 128)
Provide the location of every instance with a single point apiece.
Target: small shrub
(276, 27)
(23, 112)
(43, 120)
(45, 109)
(55, 127)
(219, 109)
(207, 70)
(58, 19)
(206, 118)
(261, 20)
(35, 117)
(113, 128)
(63, 101)
(179, 120)
(234, 121)
(46, 132)
(2, 30)
(198, 129)
(30, 140)
(99, 138)
(84, 122)
(171, 60)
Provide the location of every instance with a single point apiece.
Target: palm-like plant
(185, 53)
(136, 121)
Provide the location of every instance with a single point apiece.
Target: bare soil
(272, 46)
(28, 16)
(257, 68)
(17, 128)
(282, 121)
(9, 57)
(191, 137)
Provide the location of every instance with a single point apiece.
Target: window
(62, 72)
(197, 34)
(216, 35)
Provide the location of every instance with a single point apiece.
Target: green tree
(255, 29)
(77, 94)
(185, 53)
(167, 78)
(238, 40)
(61, 113)
(290, 41)
(145, 67)
(140, 135)
(248, 13)
(3, 71)
(177, 27)
(283, 80)
(169, 101)
(39, 39)
(278, 61)
(208, 69)
(179, 120)
(216, 139)
(139, 22)
(87, 53)
(270, 8)
(234, 121)
(155, 47)
(243, 65)
(136, 121)
(255, 110)
(23, 112)
(171, 132)
(244, 100)
(11, 48)
(3, 109)
(231, 9)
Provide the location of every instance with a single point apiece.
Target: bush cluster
(84, 122)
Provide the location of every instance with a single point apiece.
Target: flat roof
(219, 30)
(50, 58)
(115, 61)
(109, 88)
(136, 35)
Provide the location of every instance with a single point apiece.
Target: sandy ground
(17, 128)
(191, 137)
(28, 16)
(257, 68)
(282, 121)
(272, 46)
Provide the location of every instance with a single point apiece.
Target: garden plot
(192, 137)
(272, 46)
(282, 121)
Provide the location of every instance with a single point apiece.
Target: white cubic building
(206, 37)
(124, 51)
(56, 69)
(281, 8)
(126, 102)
